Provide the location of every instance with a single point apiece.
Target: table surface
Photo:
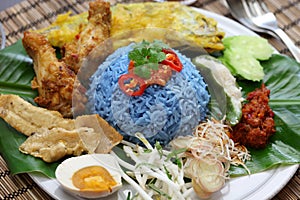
(35, 14)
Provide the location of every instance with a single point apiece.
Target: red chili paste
(257, 123)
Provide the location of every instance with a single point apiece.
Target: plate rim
(2, 36)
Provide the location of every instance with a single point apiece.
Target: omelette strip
(174, 20)
(54, 80)
(52, 137)
(94, 33)
(180, 22)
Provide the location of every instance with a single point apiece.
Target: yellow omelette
(172, 17)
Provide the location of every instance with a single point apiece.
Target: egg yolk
(93, 178)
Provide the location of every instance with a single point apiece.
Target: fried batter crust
(54, 80)
(52, 137)
(54, 144)
(28, 119)
(96, 31)
(109, 136)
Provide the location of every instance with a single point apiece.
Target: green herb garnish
(159, 191)
(159, 149)
(147, 151)
(174, 156)
(147, 56)
(168, 172)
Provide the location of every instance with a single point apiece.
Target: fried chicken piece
(96, 31)
(51, 137)
(54, 80)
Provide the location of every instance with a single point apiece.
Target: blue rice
(161, 113)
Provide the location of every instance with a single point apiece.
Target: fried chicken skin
(54, 80)
(96, 31)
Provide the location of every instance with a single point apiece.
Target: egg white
(68, 167)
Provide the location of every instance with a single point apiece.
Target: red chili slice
(172, 60)
(132, 84)
(131, 66)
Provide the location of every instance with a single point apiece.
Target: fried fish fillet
(94, 33)
(54, 80)
(52, 137)
(54, 144)
(28, 119)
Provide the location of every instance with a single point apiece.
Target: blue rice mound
(161, 113)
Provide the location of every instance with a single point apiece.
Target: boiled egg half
(90, 176)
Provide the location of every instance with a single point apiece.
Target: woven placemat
(35, 14)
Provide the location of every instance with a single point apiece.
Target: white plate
(257, 186)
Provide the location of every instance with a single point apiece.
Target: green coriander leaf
(145, 43)
(135, 55)
(142, 71)
(156, 57)
(146, 57)
(153, 66)
(161, 56)
(145, 52)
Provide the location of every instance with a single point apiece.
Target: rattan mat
(35, 14)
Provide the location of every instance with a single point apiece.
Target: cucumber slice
(255, 46)
(242, 54)
(222, 87)
(247, 67)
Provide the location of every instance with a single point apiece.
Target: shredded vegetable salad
(197, 163)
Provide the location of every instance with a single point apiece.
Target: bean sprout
(204, 158)
(155, 171)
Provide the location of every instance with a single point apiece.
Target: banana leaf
(282, 78)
